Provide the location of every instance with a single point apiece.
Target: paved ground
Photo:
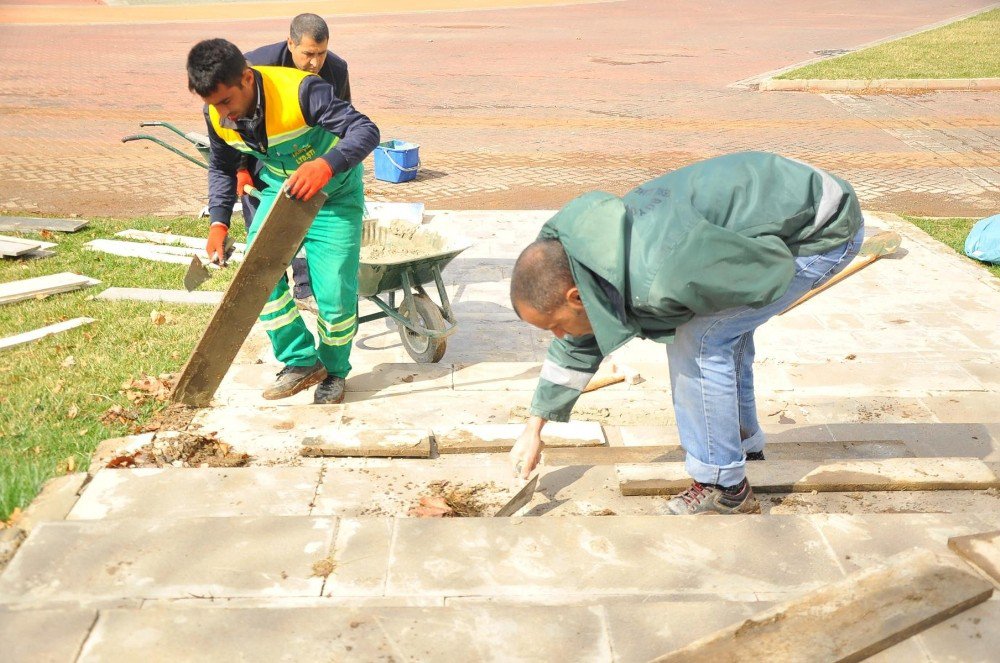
(202, 564)
(518, 109)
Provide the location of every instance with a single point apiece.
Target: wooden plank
(31, 223)
(277, 241)
(495, 438)
(201, 297)
(42, 332)
(803, 476)
(171, 239)
(981, 550)
(42, 286)
(15, 246)
(825, 450)
(850, 620)
(375, 443)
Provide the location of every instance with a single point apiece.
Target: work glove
(216, 246)
(309, 178)
(243, 179)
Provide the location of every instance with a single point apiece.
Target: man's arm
(568, 368)
(223, 161)
(358, 134)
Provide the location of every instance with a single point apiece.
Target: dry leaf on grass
(72, 412)
(68, 361)
(116, 414)
(148, 388)
(157, 317)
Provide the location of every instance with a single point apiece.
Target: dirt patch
(182, 450)
(174, 417)
(456, 500)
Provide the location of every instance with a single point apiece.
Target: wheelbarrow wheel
(423, 349)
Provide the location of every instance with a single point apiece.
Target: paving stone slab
(486, 438)
(271, 433)
(361, 634)
(360, 558)
(971, 637)
(981, 550)
(883, 379)
(394, 488)
(385, 443)
(168, 493)
(177, 558)
(44, 636)
(964, 407)
(497, 376)
(295, 602)
(641, 632)
(975, 440)
(860, 540)
(684, 557)
(776, 451)
(55, 500)
(796, 476)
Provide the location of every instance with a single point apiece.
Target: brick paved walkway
(514, 108)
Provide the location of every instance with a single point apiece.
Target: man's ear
(247, 77)
(291, 44)
(573, 298)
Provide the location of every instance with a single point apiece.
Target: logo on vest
(304, 153)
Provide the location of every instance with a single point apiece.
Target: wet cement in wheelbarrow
(398, 241)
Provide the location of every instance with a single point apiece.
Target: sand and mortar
(398, 241)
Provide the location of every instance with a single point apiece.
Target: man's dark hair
(541, 276)
(214, 62)
(308, 25)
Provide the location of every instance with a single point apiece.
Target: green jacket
(715, 235)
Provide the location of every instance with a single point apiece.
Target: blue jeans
(711, 374)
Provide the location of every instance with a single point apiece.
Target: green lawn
(953, 233)
(50, 406)
(965, 49)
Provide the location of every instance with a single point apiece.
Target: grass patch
(51, 406)
(964, 49)
(953, 233)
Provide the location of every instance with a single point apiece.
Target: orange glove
(216, 246)
(243, 179)
(309, 178)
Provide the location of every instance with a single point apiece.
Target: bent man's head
(219, 74)
(543, 293)
(308, 38)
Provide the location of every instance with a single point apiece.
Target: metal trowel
(522, 497)
(197, 273)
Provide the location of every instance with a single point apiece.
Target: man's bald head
(541, 277)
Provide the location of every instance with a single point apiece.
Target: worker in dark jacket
(696, 259)
(307, 140)
(306, 50)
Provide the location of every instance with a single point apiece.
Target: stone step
(200, 629)
(515, 560)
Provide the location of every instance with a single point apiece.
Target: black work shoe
(755, 455)
(293, 379)
(330, 391)
(707, 499)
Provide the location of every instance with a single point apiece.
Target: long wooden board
(825, 450)
(496, 438)
(795, 476)
(198, 297)
(981, 550)
(850, 620)
(34, 335)
(32, 223)
(42, 286)
(279, 238)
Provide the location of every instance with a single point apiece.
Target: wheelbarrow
(413, 257)
(200, 141)
(401, 256)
